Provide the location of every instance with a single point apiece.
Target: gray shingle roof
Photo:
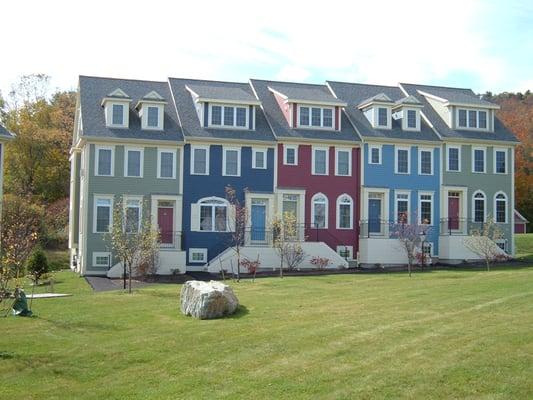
(305, 92)
(456, 95)
(501, 133)
(190, 123)
(4, 133)
(354, 94)
(223, 91)
(380, 97)
(93, 89)
(279, 123)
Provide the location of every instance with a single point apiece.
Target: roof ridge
(293, 83)
(206, 80)
(364, 84)
(120, 79)
(437, 86)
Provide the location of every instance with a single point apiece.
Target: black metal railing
(459, 226)
(375, 228)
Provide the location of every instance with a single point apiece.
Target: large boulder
(207, 300)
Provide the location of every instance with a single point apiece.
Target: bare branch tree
(482, 242)
(286, 241)
(240, 222)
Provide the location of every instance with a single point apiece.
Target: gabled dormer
(117, 109)
(378, 110)
(407, 111)
(151, 109)
(224, 105)
(461, 109)
(308, 106)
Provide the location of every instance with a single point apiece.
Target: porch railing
(170, 240)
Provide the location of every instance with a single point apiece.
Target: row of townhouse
(347, 160)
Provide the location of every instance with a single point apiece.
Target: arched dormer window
(319, 211)
(479, 209)
(500, 207)
(344, 212)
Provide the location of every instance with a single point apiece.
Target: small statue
(20, 305)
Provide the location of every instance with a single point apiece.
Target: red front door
(453, 213)
(165, 221)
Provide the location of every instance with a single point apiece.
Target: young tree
(285, 241)
(38, 265)
(251, 266)
(409, 236)
(132, 237)
(482, 242)
(240, 223)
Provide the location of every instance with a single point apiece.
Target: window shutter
(195, 217)
(231, 218)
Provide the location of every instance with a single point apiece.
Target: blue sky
(485, 45)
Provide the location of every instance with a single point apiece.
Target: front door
(258, 221)
(453, 211)
(374, 215)
(165, 221)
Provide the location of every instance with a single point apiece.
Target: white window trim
(206, 148)
(313, 211)
(125, 114)
(228, 210)
(448, 158)
(467, 127)
(197, 250)
(337, 211)
(374, 146)
(97, 149)
(295, 148)
(97, 254)
(337, 151)
(164, 150)
(420, 150)
(396, 150)
(376, 118)
(474, 206)
(405, 125)
(506, 207)
(137, 198)
(224, 151)
(265, 154)
(141, 161)
(484, 149)
(503, 150)
(97, 197)
(404, 192)
(311, 126)
(222, 112)
(419, 216)
(314, 149)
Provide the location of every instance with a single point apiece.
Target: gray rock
(207, 300)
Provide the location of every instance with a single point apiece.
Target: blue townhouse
(400, 169)
(228, 143)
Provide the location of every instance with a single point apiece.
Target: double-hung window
(500, 207)
(344, 212)
(320, 161)
(426, 208)
(117, 117)
(402, 208)
(343, 162)
(402, 160)
(166, 165)
(290, 155)
(383, 117)
(228, 116)
(102, 214)
(500, 161)
(478, 160)
(104, 161)
(132, 215)
(133, 162)
(319, 212)
(231, 162)
(153, 117)
(426, 162)
(411, 119)
(319, 117)
(200, 160)
(479, 207)
(213, 216)
(454, 159)
(259, 158)
(375, 155)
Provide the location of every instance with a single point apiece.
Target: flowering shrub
(251, 266)
(320, 262)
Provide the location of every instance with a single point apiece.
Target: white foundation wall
(381, 251)
(270, 259)
(453, 251)
(170, 262)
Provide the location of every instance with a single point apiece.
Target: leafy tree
(409, 236)
(37, 265)
(240, 222)
(286, 241)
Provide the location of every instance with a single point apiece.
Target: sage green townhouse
(477, 171)
(127, 145)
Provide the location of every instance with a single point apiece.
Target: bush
(38, 265)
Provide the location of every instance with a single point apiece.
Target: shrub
(320, 262)
(38, 265)
(251, 266)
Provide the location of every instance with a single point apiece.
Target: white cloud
(380, 42)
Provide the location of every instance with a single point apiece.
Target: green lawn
(524, 246)
(444, 334)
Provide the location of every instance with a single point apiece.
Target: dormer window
(153, 117)
(151, 111)
(118, 114)
(411, 119)
(116, 109)
(383, 117)
(471, 119)
(228, 116)
(377, 110)
(319, 117)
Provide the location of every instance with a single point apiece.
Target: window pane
(328, 117)
(375, 156)
(453, 159)
(232, 162)
(206, 218)
(401, 206)
(216, 115)
(103, 215)
(118, 114)
(104, 162)
(167, 161)
(500, 210)
(315, 116)
(304, 116)
(479, 161)
(462, 118)
(228, 116)
(425, 208)
(153, 116)
(344, 215)
(411, 118)
(200, 161)
(500, 162)
(425, 162)
(479, 210)
(343, 162)
(241, 116)
(320, 162)
(220, 218)
(403, 163)
(382, 116)
(319, 214)
(134, 163)
(483, 119)
(259, 159)
(472, 119)
(132, 218)
(291, 154)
